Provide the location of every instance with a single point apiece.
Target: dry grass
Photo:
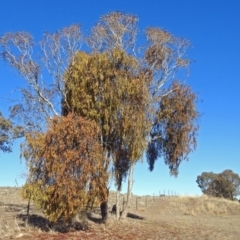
(164, 218)
(204, 205)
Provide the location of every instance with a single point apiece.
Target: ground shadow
(94, 217)
(97, 218)
(135, 216)
(42, 223)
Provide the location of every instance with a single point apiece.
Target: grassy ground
(163, 218)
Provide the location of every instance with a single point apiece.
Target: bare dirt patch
(162, 218)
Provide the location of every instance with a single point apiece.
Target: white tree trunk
(129, 192)
(117, 205)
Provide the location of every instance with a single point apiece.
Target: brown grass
(163, 218)
(204, 205)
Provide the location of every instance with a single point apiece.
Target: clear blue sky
(213, 28)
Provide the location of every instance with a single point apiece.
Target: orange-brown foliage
(175, 130)
(66, 166)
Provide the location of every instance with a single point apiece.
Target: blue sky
(212, 27)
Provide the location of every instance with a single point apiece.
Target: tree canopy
(8, 132)
(66, 168)
(108, 88)
(174, 131)
(116, 84)
(225, 184)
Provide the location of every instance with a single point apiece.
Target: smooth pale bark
(117, 205)
(129, 192)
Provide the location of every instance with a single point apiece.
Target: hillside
(149, 218)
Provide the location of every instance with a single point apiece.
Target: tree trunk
(28, 206)
(129, 192)
(117, 205)
(104, 211)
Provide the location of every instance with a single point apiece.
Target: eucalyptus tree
(118, 83)
(104, 87)
(66, 168)
(174, 131)
(160, 59)
(225, 184)
(5, 134)
(8, 132)
(42, 66)
(205, 182)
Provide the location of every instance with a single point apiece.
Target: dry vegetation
(163, 218)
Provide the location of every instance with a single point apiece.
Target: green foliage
(225, 184)
(8, 132)
(205, 181)
(5, 134)
(66, 168)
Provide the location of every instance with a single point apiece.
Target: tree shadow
(94, 217)
(135, 216)
(43, 224)
(81, 223)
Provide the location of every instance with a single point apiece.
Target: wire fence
(139, 202)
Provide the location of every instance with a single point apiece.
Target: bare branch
(164, 56)
(57, 52)
(18, 52)
(114, 30)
